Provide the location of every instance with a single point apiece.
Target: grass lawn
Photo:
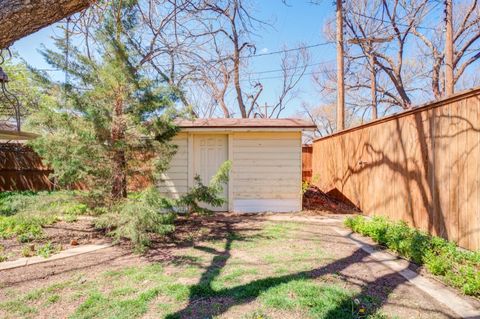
(228, 268)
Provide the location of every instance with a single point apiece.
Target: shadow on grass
(205, 301)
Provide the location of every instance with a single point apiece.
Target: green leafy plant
(28, 212)
(148, 213)
(456, 267)
(28, 251)
(76, 209)
(11, 201)
(47, 250)
(25, 228)
(210, 194)
(137, 219)
(3, 257)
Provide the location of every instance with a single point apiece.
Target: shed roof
(235, 123)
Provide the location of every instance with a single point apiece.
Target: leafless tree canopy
(202, 49)
(400, 45)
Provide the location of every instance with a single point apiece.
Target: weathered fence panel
(307, 150)
(421, 166)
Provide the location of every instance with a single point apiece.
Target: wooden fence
(22, 169)
(420, 166)
(307, 162)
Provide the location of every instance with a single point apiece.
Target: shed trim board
(240, 129)
(266, 171)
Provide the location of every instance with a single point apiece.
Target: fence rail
(421, 166)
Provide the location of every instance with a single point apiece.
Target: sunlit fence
(421, 166)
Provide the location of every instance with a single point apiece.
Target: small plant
(3, 257)
(47, 250)
(23, 214)
(210, 194)
(70, 218)
(76, 209)
(28, 251)
(305, 186)
(458, 268)
(53, 298)
(9, 201)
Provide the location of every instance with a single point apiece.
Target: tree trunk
(20, 18)
(436, 79)
(340, 70)
(119, 162)
(449, 82)
(236, 80)
(373, 85)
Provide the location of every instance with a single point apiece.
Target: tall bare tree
(465, 48)
(340, 67)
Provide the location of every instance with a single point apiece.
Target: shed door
(211, 151)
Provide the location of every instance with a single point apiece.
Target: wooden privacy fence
(421, 166)
(22, 169)
(307, 162)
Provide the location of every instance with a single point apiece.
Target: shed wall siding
(267, 171)
(174, 181)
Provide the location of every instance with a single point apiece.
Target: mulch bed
(316, 199)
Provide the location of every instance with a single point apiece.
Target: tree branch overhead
(19, 18)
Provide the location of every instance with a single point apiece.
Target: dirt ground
(230, 266)
(61, 235)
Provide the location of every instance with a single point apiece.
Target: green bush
(456, 267)
(137, 219)
(146, 213)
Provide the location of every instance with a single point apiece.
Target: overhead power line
(310, 46)
(291, 68)
(281, 76)
(289, 50)
(398, 23)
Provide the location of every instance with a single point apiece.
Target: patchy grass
(268, 270)
(316, 300)
(457, 268)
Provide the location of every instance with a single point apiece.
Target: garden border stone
(462, 306)
(84, 249)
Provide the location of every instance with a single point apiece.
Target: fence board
(307, 163)
(22, 169)
(420, 166)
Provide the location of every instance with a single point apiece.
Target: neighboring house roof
(9, 132)
(236, 123)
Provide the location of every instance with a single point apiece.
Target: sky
(295, 24)
(292, 24)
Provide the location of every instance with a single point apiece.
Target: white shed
(266, 157)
